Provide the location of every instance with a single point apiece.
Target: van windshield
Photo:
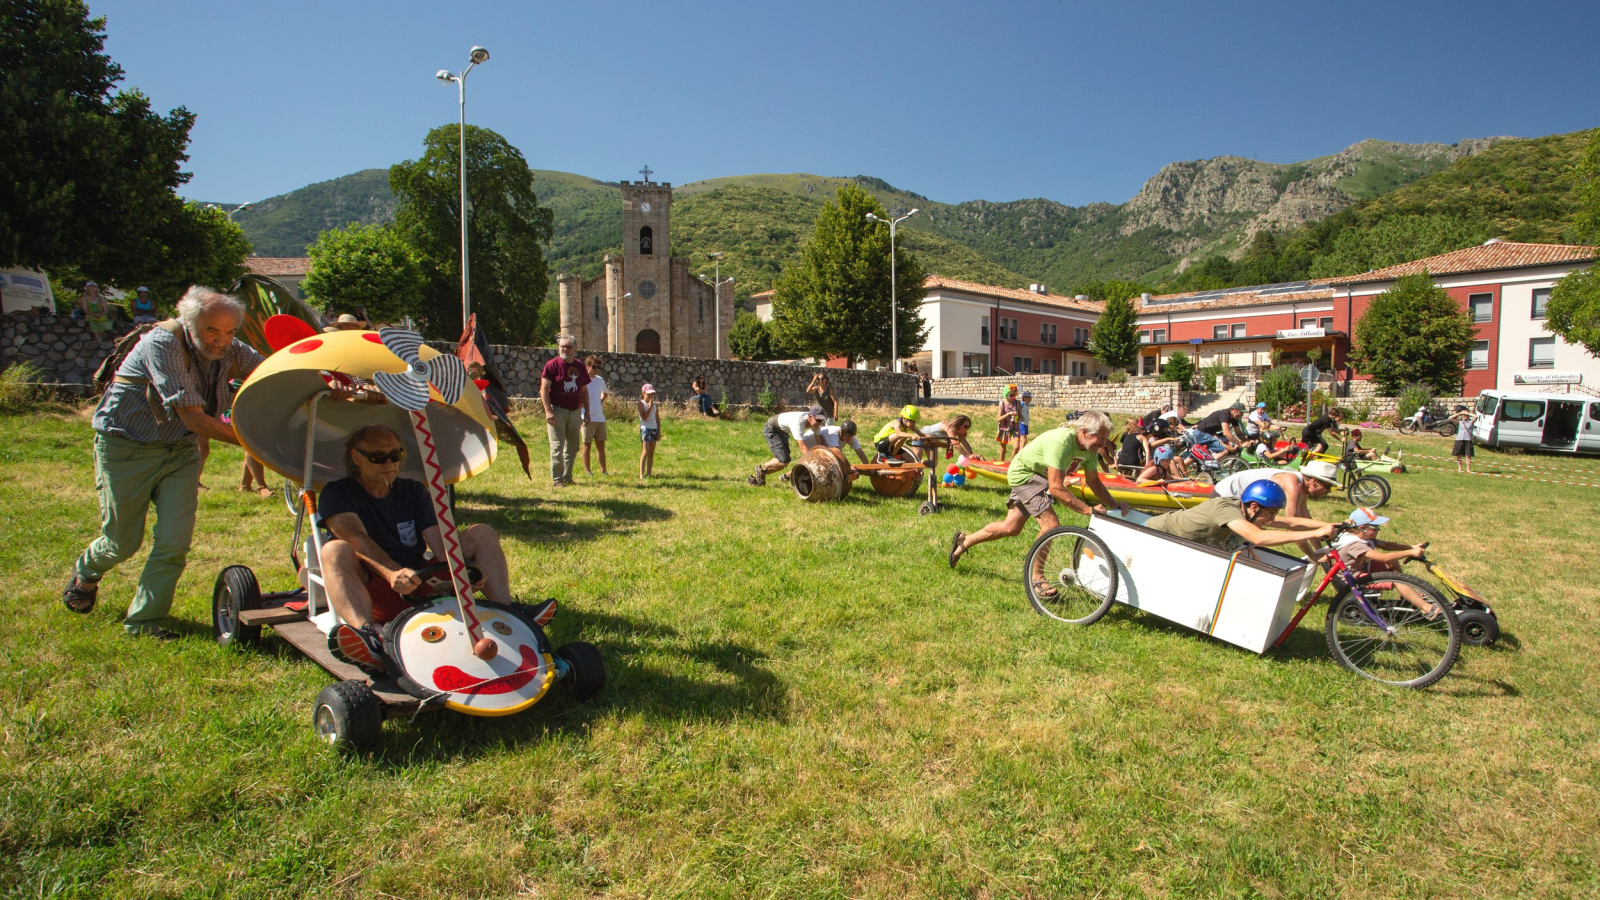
(1487, 404)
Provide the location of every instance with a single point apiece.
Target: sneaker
(759, 478)
(360, 647)
(79, 595)
(784, 478)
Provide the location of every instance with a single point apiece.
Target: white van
(1558, 423)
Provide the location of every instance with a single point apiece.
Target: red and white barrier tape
(1512, 477)
(1503, 465)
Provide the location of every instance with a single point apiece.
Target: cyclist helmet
(911, 413)
(1266, 492)
(847, 428)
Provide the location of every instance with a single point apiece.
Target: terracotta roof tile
(1166, 303)
(275, 266)
(934, 282)
(1484, 258)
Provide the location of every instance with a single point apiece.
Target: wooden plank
(308, 639)
(272, 615)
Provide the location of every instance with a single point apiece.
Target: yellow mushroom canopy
(271, 412)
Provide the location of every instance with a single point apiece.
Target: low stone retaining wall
(1135, 396)
(63, 348)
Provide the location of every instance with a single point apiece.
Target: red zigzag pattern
(447, 523)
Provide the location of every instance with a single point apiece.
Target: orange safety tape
(1513, 477)
(1500, 464)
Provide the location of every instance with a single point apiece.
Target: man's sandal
(79, 595)
(955, 547)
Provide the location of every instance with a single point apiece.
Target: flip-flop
(955, 547)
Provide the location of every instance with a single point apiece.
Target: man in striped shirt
(171, 387)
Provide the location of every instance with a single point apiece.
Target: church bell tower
(645, 319)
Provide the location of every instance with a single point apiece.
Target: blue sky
(958, 101)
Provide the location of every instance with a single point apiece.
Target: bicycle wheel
(1369, 491)
(1070, 575)
(1233, 465)
(1409, 650)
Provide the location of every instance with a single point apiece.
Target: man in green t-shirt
(1038, 478)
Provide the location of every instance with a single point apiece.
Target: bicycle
(1371, 628)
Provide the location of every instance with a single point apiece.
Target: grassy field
(804, 702)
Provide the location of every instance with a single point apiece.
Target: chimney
(1081, 297)
(1144, 297)
(1038, 289)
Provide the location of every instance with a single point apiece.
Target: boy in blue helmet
(1225, 523)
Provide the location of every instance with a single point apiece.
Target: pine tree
(835, 301)
(1115, 338)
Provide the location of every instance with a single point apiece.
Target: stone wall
(1363, 396)
(625, 373)
(1069, 392)
(63, 348)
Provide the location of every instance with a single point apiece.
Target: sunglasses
(378, 459)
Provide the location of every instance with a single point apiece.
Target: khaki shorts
(1032, 497)
(594, 431)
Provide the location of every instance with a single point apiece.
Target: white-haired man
(171, 387)
(1038, 478)
(563, 388)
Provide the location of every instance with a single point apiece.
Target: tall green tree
(750, 338)
(506, 227)
(1574, 309)
(835, 301)
(90, 172)
(1413, 332)
(1115, 338)
(1586, 223)
(199, 245)
(369, 266)
(1179, 368)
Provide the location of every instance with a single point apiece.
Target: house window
(1159, 336)
(1144, 337)
(1482, 306)
(1325, 323)
(1239, 329)
(1478, 356)
(646, 241)
(1050, 366)
(1149, 366)
(1308, 323)
(1542, 353)
(1021, 364)
(975, 365)
(1218, 332)
(983, 332)
(1052, 334)
(1008, 329)
(1541, 298)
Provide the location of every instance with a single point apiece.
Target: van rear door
(1561, 420)
(1589, 431)
(1483, 422)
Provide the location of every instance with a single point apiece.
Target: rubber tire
(1378, 480)
(1429, 590)
(1233, 465)
(1406, 427)
(588, 677)
(927, 508)
(348, 716)
(236, 590)
(1099, 546)
(1478, 628)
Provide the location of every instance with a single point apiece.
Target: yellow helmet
(911, 412)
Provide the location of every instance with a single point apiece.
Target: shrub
(1179, 368)
(1211, 375)
(1412, 397)
(767, 400)
(1280, 389)
(20, 391)
(1117, 377)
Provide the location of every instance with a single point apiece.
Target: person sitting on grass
(1038, 478)
(803, 426)
(953, 431)
(382, 524)
(842, 434)
(1364, 554)
(1227, 524)
(894, 434)
(1352, 446)
(697, 390)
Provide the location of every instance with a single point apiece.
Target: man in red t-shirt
(562, 390)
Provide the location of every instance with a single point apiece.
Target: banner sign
(22, 289)
(1286, 333)
(1550, 378)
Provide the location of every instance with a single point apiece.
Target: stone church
(647, 301)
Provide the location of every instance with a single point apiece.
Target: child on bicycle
(1363, 554)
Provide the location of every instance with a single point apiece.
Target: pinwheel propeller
(409, 389)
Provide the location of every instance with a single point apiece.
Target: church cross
(646, 173)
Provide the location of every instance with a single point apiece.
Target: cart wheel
(588, 670)
(1233, 465)
(928, 508)
(1070, 575)
(1478, 628)
(236, 590)
(1369, 491)
(1408, 650)
(348, 716)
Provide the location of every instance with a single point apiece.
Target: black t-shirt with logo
(395, 522)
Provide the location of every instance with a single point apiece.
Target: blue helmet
(1266, 492)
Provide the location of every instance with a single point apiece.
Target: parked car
(1556, 423)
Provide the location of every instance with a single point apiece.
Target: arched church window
(647, 342)
(646, 241)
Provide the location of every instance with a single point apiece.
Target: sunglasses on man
(392, 456)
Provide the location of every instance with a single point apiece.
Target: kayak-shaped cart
(1253, 598)
(448, 650)
(1158, 495)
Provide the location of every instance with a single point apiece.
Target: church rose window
(646, 241)
(647, 289)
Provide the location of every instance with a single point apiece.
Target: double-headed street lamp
(716, 294)
(237, 209)
(477, 55)
(894, 316)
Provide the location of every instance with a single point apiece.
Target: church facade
(646, 301)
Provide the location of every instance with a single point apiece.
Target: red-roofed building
(289, 271)
(1243, 327)
(981, 329)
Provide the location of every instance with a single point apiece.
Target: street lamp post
(894, 315)
(716, 294)
(237, 209)
(616, 323)
(477, 55)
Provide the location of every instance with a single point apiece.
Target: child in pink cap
(649, 430)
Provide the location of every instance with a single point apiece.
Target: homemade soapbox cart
(1253, 598)
(448, 649)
